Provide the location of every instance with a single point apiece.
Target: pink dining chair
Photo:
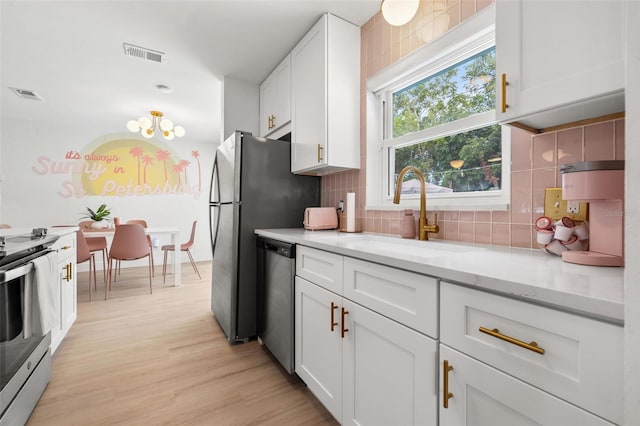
(96, 244)
(129, 243)
(183, 247)
(143, 223)
(4, 226)
(82, 255)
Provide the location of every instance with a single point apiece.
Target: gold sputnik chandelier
(148, 126)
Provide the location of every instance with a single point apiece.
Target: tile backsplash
(535, 158)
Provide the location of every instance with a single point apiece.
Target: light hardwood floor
(141, 359)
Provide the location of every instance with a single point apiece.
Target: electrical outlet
(556, 208)
(573, 206)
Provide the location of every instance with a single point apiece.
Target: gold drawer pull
(65, 247)
(532, 346)
(505, 83)
(320, 148)
(446, 395)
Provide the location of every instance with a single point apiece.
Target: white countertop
(522, 273)
(62, 230)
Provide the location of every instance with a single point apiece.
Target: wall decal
(114, 165)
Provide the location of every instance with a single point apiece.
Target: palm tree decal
(147, 160)
(177, 169)
(163, 155)
(196, 155)
(184, 164)
(137, 153)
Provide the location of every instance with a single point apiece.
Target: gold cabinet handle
(505, 83)
(532, 346)
(65, 247)
(446, 395)
(344, 329)
(67, 271)
(320, 148)
(273, 121)
(333, 322)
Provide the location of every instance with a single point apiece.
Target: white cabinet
(563, 61)
(325, 98)
(477, 394)
(573, 358)
(275, 101)
(66, 290)
(363, 367)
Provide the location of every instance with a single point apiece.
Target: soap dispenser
(408, 224)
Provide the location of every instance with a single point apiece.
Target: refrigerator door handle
(214, 235)
(214, 191)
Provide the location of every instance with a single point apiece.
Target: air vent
(26, 94)
(143, 53)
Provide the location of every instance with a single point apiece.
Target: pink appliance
(601, 184)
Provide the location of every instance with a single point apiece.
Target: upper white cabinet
(558, 61)
(275, 101)
(325, 98)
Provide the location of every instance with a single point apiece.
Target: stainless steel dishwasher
(276, 299)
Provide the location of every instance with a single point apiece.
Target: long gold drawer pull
(505, 83)
(446, 395)
(333, 320)
(532, 346)
(344, 329)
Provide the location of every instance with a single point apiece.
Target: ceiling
(71, 54)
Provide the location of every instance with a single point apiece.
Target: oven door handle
(18, 272)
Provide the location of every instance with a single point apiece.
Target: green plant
(102, 213)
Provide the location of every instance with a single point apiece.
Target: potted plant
(100, 217)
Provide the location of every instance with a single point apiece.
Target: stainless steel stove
(25, 358)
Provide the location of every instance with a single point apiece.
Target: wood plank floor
(161, 359)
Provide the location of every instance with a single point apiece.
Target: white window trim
(472, 36)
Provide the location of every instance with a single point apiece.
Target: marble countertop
(526, 274)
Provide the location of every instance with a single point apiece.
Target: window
(435, 111)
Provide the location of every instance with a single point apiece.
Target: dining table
(174, 232)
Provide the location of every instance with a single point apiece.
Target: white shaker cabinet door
(318, 343)
(563, 61)
(481, 395)
(389, 374)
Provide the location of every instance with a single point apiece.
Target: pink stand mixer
(601, 184)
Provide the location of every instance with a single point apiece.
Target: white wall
(240, 106)
(30, 199)
(632, 217)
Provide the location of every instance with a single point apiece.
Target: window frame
(467, 39)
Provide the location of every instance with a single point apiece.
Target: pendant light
(399, 12)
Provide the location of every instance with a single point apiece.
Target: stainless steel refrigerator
(251, 187)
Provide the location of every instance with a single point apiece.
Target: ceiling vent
(143, 53)
(27, 94)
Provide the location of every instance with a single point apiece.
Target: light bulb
(133, 126)
(147, 133)
(179, 131)
(168, 135)
(166, 124)
(399, 12)
(144, 123)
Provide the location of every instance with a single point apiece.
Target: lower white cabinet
(477, 394)
(66, 288)
(365, 368)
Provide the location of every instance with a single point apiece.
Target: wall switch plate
(556, 208)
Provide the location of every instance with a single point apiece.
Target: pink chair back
(140, 222)
(4, 226)
(189, 243)
(129, 242)
(82, 248)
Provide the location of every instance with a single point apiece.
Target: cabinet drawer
(406, 297)
(65, 246)
(320, 267)
(582, 360)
